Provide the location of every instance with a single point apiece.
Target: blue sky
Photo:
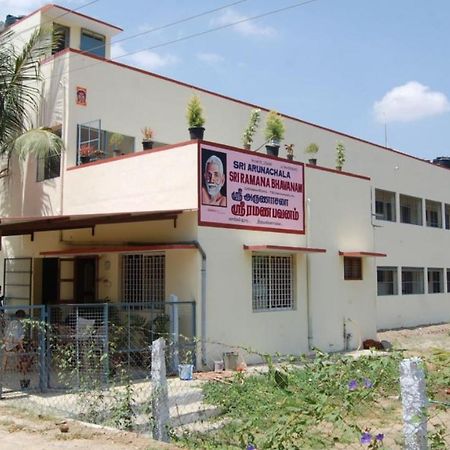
(350, 65)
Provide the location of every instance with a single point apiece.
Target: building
(331, 257)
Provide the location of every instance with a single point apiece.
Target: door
(86, 279)
(50, 277)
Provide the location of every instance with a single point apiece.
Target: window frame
(431, 284)
(394, 282)
(417, 270)
(263, 291)
(350, 264)
(96, 50)
(419, 209)
(432, 208)
(389, 207)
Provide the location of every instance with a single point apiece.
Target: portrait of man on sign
(81, 96)
(214, 179)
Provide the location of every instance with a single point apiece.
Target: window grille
(387, 281)
(435, 281)
(448, 280)
(410, 210)
(272, 286)
(433, 214)
(352, 268)
(412, 280)
(385, 205)
(143, 279)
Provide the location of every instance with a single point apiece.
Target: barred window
(352, 268)
(412, 280)
(272, 286)
(435, 281)
(387, 280)
(143, 279)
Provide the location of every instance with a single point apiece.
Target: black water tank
(12, 19)
(442, 161)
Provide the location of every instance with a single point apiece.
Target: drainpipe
(308, 276)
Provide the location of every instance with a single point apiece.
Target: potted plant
(147, 135)
(195, 118)
(289, 151)
(340, 155)
(86, 151)
(312, 150)
(116, 141)
(274, 133)
(247, 137)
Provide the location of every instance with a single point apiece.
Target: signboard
(243, 189)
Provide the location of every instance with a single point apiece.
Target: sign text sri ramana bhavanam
(239, 189)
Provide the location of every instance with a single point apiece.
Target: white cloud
(249, 28)
(145, 59)
(210, 58)
(409, 102)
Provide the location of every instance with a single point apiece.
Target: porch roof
(14, 226)
(361, 254)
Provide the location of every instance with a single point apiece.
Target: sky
(374, 69)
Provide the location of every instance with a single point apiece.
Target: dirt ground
(21, 429)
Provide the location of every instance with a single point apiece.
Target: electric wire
(53, 19)
(191, 36)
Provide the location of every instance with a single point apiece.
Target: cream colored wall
(148, 181)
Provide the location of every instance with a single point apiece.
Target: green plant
(253, 123)
(194, 113)
(312, 149)
(147, 133)
(274, 127)
(116, 140)
(340, 155)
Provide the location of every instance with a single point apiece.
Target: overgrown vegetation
(308, 403)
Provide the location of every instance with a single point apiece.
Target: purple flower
(367, 383)
(366, 438)
(352, 385)
(379, 437)
(250, 447)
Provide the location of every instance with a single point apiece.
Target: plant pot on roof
(249, 132)
(147, 138)
(86, 152)
(274, 133)
(312, 150)
(194, 115)
(340, 155)
(115, 141)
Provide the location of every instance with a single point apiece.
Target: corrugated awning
(131, 248)
(283, 248)
(15, 226)
(362, 254)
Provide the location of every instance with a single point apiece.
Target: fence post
(160, 396)
(414, 401)
(43, 336)
(174, 332)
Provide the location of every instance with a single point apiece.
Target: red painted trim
(49, 6)
(283, 248)
(340, 172)
(361, 254)
(252, 105)
(244, 227)
(131, 155)
(118, 249)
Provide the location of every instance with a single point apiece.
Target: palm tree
(19, 95)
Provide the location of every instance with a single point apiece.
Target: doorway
(85, 279)
(50, 276)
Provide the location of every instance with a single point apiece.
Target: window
(433, 214)
(61, 36)
(352, 268)
(387, 281)
(92, 43)
(385, 205)
(447, 216)
(272, 282)
(412, 280)
(143, 279)
(448, 280)
(49, 166)
(410, 210)
(435, 281)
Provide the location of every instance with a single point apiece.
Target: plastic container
(218, 366)
(186, 371)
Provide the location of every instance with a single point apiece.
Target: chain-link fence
(100, 363)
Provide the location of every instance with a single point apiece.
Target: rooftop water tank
(442, 161)
(10, 19)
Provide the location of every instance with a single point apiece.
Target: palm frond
(39, 142)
